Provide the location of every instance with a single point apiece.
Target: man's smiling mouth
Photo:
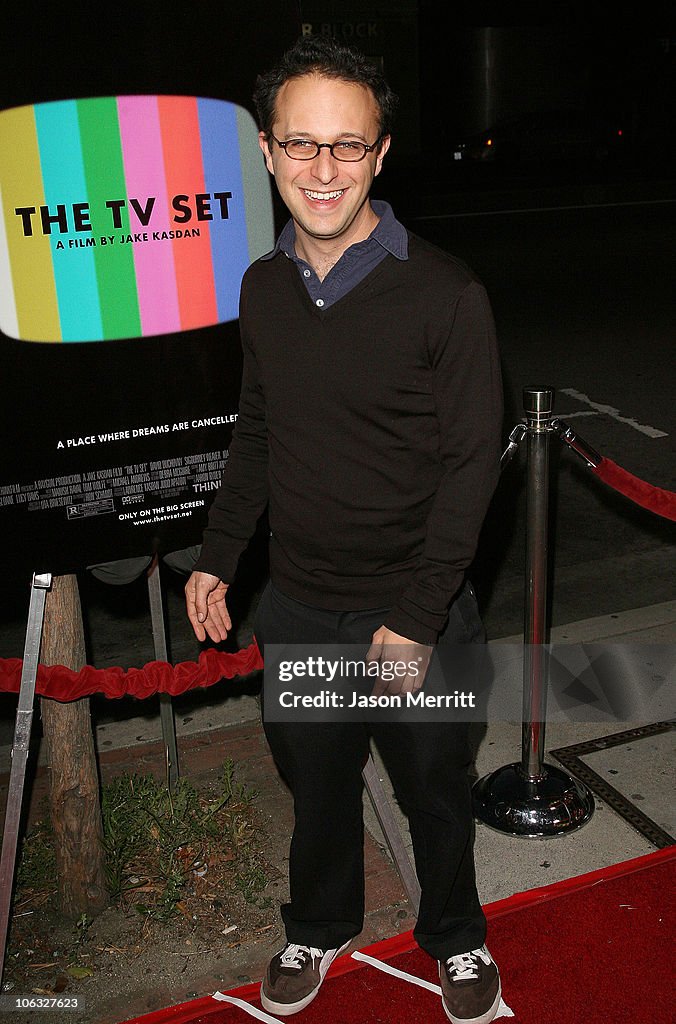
(323, 196)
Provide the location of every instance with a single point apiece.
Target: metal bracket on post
(392, 833)
(576, 443)
(22, 732)
(534, 799)
(160, 644)
(515, 438)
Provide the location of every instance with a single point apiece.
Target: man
(369, 425)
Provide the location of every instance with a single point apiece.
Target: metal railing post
(538, 411)
(534, 799)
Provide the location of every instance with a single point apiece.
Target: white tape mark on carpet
(382, 965)
(609, 410)
(387, 969)
(247, 1007)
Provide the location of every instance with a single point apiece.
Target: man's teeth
(323, 195)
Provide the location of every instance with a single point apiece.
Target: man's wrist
(402, 624)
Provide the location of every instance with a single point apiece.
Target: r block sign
(127, 217)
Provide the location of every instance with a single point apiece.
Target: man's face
(327, 198)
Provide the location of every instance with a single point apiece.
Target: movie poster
(133, 197)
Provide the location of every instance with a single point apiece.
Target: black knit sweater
(372, 428)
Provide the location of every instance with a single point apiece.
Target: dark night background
(573, 234)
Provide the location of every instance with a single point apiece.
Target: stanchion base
(506, 800)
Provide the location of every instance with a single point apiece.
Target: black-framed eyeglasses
(348, 150)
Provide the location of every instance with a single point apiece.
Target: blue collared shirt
(388, 236)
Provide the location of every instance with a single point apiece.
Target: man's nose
(325, 165)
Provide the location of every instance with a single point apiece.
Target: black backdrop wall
(67, 505)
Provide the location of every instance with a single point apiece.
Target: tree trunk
(74, 784)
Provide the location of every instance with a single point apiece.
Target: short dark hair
(322, 55)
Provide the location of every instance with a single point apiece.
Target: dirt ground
(121, 966)
(124, 965)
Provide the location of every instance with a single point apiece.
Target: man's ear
(265, 147)
(384, 146)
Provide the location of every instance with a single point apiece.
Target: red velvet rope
(156, 677)
(657, 500)
(62, 684)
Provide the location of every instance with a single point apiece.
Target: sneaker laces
(295, 956)
(465, 966)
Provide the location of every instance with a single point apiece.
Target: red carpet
(591, 950)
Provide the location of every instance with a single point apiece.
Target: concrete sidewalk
(222, 725)
(195, 713)
(229, 704)
(505, 865)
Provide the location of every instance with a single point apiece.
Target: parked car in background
(565, 136)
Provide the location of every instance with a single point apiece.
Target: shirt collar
(388, 233)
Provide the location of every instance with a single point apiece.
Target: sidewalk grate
(571, 759)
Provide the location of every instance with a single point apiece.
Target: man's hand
(207, 610)
(390, 649)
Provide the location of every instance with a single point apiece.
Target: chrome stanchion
(534, 799)
(538, 409)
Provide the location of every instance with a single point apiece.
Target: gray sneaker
(470, 987)
(294, 977)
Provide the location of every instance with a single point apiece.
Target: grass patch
(188, 879)
(163, 847)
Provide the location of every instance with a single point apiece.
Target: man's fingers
(203, 591)
(217, 621)
(199, 631)
(216, 632)
(206, 607)
(224, 614)
(412, 683)
(374, 653)
(191, 608)
(403, 663)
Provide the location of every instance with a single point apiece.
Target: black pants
(322, 764)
